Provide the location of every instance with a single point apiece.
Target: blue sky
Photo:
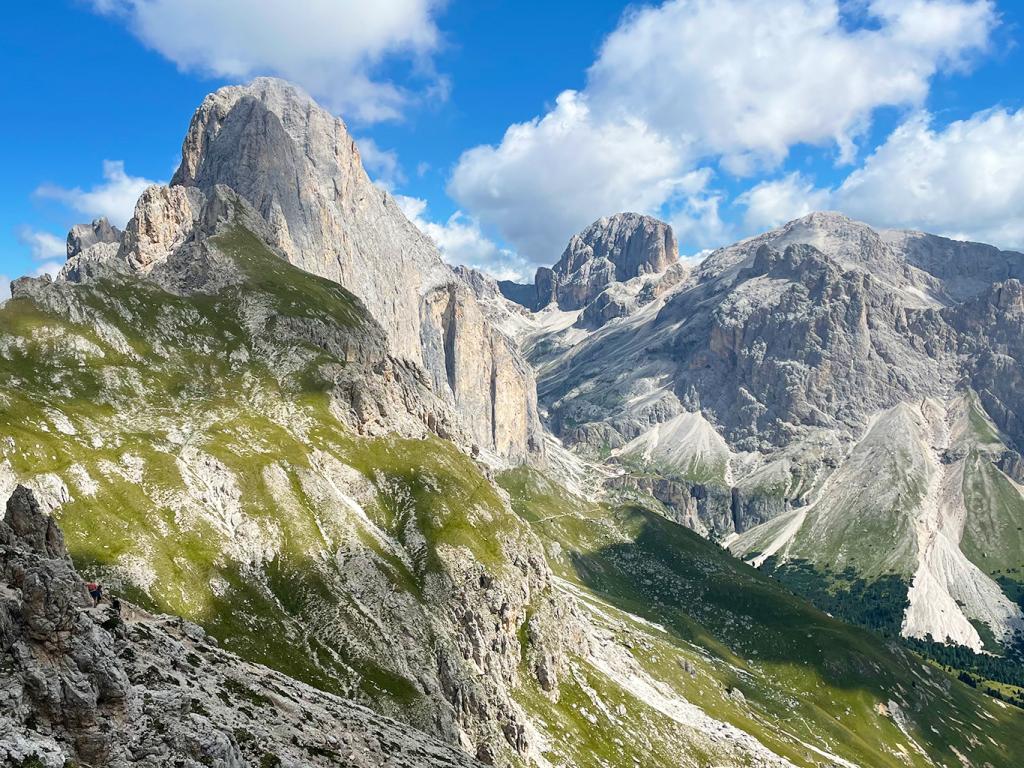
(505, 127)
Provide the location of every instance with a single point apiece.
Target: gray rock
(84, 236)
(84, 685)
(612, 250)
(299, 169)
(796, 337)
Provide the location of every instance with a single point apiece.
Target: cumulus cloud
(777, 201)
(42, 245)
(748, 79)
(697, 221)
(552, 176)
(381, 164)
(691, 83)
(333, 48)
(49, 268)
(114, 198)
(5, 288)
(461, 241)
(965, 180)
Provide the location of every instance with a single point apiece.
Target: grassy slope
(804, 676)
(181, 384)
(176, 387)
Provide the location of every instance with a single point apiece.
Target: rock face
(752, 398)
(814, 326)
(614, 249)
(83, 236)
(297, 166)
(93, 686)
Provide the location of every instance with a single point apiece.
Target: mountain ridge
(228, 435)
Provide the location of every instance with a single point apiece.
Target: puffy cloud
(696, 221)
(42, 245)
(331, 47)
(461, 241)
(115, 198)
(748, 79)
(551, 176)
(693, 82)
(965, 180)
(381, 164)
(5, 288)
(777, 201)
(49, 268)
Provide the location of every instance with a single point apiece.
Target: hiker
(116, 604)
(95, 592)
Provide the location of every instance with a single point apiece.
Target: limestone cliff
(612, 250)
(296, 164)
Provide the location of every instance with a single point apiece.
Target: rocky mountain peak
(634, 243)
(83, 236)
(297, 165)
(925, 270)
(267, 149)
(27, 526)
(612, 250)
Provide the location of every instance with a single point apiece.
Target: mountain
(297, 166)
(829, 398)
(270, 442)
(124, 687)
(609, 252)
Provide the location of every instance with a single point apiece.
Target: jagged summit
(613, 250)
(84, 236)
(269, 149)
(926, 270)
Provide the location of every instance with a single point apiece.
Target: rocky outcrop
(165, 217)
(97, 686)
(84, 236)
(613, 249)
(297, 166)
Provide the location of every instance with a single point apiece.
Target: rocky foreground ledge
(84, 686)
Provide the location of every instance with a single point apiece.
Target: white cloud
(778, 201)
(330, 47)
(696, 221)
(552, 176)
(461, 241)
(965, 180)
(748, 79)
(381, 164)
(5, 288)
(115, 198)
(49, 268)
(42, 245)
(694, 81)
